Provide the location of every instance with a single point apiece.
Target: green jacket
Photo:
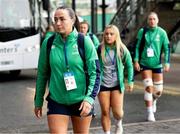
(49, 34)
(157, 39)
(56, 85)
(94, 39)
(123, 64)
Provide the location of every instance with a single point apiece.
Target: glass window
(15, 13)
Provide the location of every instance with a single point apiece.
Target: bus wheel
(15, 73)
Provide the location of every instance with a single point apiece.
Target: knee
(105, 113)
(148, 83)
(158, 88)
(118, 115)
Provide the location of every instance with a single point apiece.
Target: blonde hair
(154, 14)
(119, 45)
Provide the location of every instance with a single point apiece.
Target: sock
(150, 109)
(119, 123)
(107, 132)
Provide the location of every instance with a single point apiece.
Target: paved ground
(159, 127)
(169, 126)
(168, 115)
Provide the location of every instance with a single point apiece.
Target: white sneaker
(154, 105)
(119, 129)
(151, 117)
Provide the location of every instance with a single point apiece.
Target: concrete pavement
(167, 116)
(171, 126)
(171, 87)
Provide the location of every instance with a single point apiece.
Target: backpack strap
(80, 42)
(81, 49)
(99, 50)
(91, 36)
(49, 45)
(142, 43)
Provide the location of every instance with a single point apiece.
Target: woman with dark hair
(69, 94)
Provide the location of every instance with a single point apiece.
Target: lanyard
(65, 55)
(112, 60)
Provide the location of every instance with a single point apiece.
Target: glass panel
(15, 13)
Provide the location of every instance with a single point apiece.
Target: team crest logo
(75, 50)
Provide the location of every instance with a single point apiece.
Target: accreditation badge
(69, 81)
(150, 52)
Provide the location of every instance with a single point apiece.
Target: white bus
(20, 22)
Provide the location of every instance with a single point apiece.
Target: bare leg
(117, 99)
(81, 125)
(104, 100)
(58, 124)
(148, 97)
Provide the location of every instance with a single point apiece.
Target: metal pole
(48, 12)
(103, 15)
(74, 5)
(103, 6)
(118, 2)
(94, 16)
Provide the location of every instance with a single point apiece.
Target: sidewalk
(168, 115)
(172, 126)
(159, 127)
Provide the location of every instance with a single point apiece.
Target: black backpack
(80, 42)
(132, 46)
(91, 36)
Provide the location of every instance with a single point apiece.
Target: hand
(85, 108)
(130, 88)
(166, 68)
(137, 66)
(38, 112)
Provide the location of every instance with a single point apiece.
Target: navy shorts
(57, 108)
(103, 88)
(154, 70)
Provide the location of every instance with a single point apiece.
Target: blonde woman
(114, 59)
